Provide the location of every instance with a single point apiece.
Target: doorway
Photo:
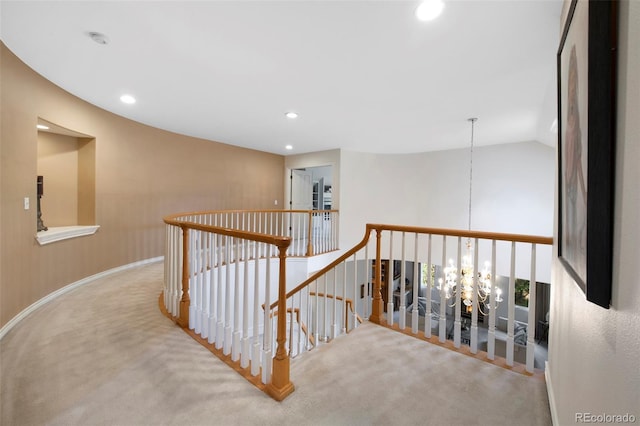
(311, 188)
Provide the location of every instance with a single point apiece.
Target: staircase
(227, 288)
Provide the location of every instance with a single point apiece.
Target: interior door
(301, 190)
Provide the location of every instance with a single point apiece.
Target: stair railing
(209, 269)
(357, 277)
(312, 232)
(216, 282)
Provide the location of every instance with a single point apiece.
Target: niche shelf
(66, 159)
(59, 233)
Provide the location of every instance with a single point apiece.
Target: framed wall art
(586, 64)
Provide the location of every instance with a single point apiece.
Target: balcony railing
(312, 232)
(228, 287)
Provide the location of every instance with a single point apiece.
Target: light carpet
(103, 354)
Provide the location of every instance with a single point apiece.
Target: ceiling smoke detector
(99, 37)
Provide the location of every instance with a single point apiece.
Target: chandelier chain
(472, 120)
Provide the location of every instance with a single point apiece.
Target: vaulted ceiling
(362, 75)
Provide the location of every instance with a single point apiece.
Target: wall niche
(66, 160)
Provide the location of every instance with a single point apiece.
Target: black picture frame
(586, 67)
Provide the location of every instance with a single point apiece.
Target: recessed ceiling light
(291, 114)
(42, 127)
(429, 10)
(288, 147)
(128, 99)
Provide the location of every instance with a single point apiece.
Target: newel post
(309, 230)
(185, 301)
(280, 386)
(377, 308)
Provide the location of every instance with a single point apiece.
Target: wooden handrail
(327, 268)
(278, 241)
(519, 238)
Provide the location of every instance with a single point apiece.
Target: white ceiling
(363, 75)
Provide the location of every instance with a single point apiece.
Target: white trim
(51, 296)
(550, 395)
(60, 233)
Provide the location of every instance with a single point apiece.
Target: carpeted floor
(103, 354)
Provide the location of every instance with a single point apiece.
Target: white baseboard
(51, 296)
(550, 394)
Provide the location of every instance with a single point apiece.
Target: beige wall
(141, 175)
(594, 352)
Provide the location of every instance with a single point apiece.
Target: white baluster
(403, 308)
(228, 295)
(531, 320)
(427, 308)
(178, 271)
(325, 318)
(511, 306)
(168, 257)
(198, 275)
(267, 357)
(291, 327)
(206, 236)
(474, 298)
(173, 270)
(237, 332)
(389, 279)
(316, 314)
(306, 303)
(255, 353)
(355, 293)
(169, 254)
(491, 334)
(457, 297)
(221, 295)
(367, 282)
(212, 288)
(442, 332)
(334, 313)
(416, 287)
(193, 296)
(246, 341)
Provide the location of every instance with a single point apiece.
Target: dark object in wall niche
(40, 183)
(586, 141)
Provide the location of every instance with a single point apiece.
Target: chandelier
(468, 279)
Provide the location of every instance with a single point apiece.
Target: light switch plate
(26, 203)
